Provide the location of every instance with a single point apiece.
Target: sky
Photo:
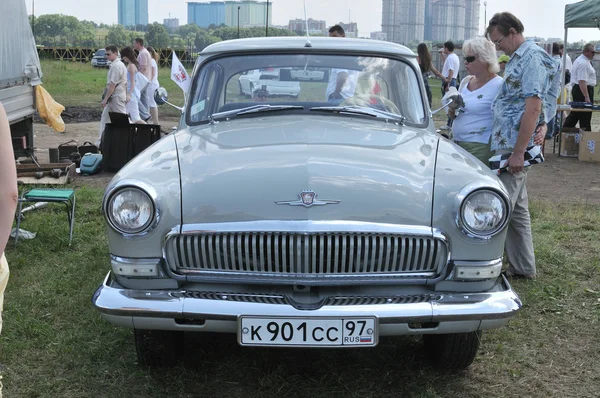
(542, 18)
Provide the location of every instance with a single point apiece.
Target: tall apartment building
(314, 26)
(133, 12)
(472, 18)
(403, 21)
(436, 20)
(250, 12)
(448, 20)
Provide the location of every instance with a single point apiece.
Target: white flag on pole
(179, 75)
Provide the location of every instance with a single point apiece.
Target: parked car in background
(268, 81)
(304, 74)
(307, 223)
(99, 59)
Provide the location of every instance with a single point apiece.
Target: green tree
(157, 36)
(203, 40)
(119, 36)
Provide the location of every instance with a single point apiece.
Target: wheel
(157, 348)
(452, 351)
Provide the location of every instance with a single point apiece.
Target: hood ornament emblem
(308, 199)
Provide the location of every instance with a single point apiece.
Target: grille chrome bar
(306, 254)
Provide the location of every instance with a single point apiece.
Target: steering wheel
(371, 101)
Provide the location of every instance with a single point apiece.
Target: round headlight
(130, 210)
(483, 213)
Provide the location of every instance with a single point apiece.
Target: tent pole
(563, 69)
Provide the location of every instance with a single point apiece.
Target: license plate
(307, 332)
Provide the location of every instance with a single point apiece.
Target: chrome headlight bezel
(143, 188)
(461, 200)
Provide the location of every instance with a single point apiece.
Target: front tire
(452, 351)
(158, 348)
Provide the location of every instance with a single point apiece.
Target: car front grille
(306, 254)
(329, 301)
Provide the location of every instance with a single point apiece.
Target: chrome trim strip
(307, 227)
(113, 300)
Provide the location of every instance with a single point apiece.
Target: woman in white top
(472, 126)
(153, 85)
(133, 93)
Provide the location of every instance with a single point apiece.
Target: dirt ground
(557, 179)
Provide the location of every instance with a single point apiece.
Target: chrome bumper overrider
(172, 310)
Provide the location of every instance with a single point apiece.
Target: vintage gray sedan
(330, 220)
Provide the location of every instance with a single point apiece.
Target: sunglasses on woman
(470, 58)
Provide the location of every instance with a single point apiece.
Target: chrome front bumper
(168, 310)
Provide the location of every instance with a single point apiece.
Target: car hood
(237, 170)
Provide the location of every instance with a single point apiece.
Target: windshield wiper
(361, 110)
(253, 109)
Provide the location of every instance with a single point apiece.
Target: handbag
(141, 81)
(87, 147)
(66, 149)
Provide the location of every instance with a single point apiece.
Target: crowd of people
(130, 85)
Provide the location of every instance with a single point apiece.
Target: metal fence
(81, 54)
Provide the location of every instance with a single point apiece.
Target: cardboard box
(589, 146)
(570, 138)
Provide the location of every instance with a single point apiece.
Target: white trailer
(20, 72)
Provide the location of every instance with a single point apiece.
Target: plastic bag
(49, 109)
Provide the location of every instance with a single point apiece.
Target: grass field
(81, 85)
(54, 344)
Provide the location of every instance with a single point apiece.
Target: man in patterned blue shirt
(526, 99)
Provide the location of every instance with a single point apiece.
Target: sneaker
(446, 127)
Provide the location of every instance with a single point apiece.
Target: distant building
(379, 36)
(171, 23)
(403, 21)
(472, 19)
(207, 13)
(133, 12)
(448, 20)
(314, 26)
(350, 28)
(248, 13)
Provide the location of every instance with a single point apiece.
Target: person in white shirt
(450, 72)
(153, 85)
(583, 78)
(472, 126)
(342, 82)
(145, 67)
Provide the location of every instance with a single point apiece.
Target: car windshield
(316, 84)
(100, 53)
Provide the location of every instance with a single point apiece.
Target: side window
(207, 94)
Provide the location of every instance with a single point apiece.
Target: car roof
(330, 44)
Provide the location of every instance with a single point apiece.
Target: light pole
(267, 23)
(239, 22)
(485, 21)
